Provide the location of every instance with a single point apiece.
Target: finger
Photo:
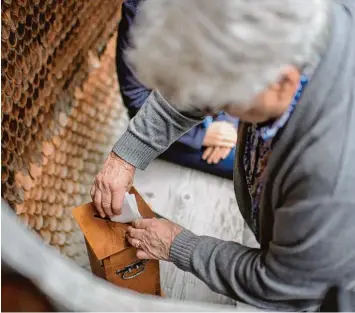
(97, 202)
(217, 155)
(142, 255)
(117, 201)
(142, 223)
(209, 160)
(92, 192)
(106, 201)
(226, 152)
(136, 243)
(136, 233)
(207, 153)
(213, 155)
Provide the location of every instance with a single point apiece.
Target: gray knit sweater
(307, 218)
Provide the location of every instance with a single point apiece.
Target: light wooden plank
(202, 203)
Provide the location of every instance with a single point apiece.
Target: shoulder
(321, 163)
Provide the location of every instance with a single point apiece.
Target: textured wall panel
(61, 110)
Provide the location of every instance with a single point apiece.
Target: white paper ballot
(129, 210)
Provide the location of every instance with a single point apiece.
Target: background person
(208, 146)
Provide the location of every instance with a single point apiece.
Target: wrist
(182, 249)
(117, 159)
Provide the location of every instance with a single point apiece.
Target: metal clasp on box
(133, 270)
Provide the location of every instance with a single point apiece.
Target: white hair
(203, 54)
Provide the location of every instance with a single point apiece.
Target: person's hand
(215, 154)
(220, 134)
(111, 184)
(153, 237)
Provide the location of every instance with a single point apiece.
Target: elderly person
(208, 146)
(286, 68)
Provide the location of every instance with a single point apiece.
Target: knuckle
(106, 186)
(153, 223)
(115, 206)
(98, 177)
(116, 210)
(97, 184)
(135, 224)
(106, 205)
(98, 207)
(115, 181)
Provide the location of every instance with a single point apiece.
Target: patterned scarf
(258, 148)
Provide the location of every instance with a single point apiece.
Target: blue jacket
(134, 93)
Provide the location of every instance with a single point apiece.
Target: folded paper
(130, 210)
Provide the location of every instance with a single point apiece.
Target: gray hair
(208, 53)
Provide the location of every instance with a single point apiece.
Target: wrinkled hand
(221, 134)
(111, 184)
(153, 237)
(215, 154)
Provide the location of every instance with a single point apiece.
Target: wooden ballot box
(111, 256)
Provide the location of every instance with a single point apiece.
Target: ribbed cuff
(134, 151)
(182, 248)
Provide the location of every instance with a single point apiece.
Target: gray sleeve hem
(182, 248)
(134, 151)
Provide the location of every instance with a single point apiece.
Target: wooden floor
(200, 202)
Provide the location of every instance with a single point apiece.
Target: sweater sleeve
(295, 270)
(155, 127)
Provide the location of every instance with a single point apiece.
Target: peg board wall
(61, 110)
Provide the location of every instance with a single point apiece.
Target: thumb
(117, 201)
(142, 255)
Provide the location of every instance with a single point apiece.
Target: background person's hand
(220, 134)
(153, 237)
(215, 154)
(111, 184)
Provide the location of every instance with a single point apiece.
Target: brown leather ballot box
(111, 256)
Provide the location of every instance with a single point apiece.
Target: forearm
(292, 274)
(235, 271)
(155, 127)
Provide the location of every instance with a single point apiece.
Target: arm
(293, 273)
(134, 94)
(155, 127)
